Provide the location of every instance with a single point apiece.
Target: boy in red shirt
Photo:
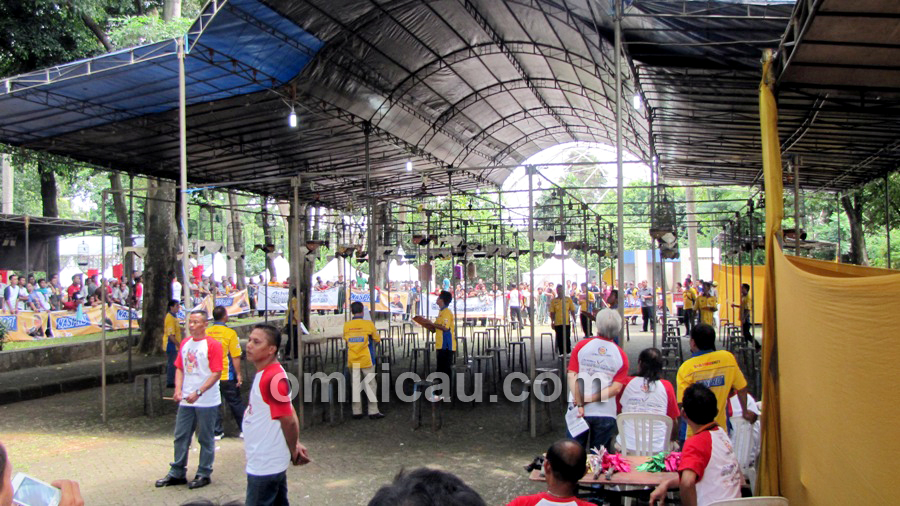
(709, 469)
(565, 464)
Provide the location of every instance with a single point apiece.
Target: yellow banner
(730, 278)
(24, 325)
(68, 324)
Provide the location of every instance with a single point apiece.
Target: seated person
(709, 470)
(70, 494)
(649, 393)
(564, 465)
(426, 487)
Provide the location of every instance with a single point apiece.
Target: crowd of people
(30, 294)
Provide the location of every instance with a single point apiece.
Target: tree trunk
(692, 232)
(125, 232)
(268, 239)
(171, 10)
(237, 241)
(853, 207)
(50, 210)
(162, 233)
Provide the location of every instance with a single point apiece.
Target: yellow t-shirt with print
(444, 319)
(360, 336)
(707, 306)
(745, 308)
(171, 328)
(560, 316)
(690, 298)
(719, 371)
(231, 346)
(583, 302)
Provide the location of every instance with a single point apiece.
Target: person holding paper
(598, 370)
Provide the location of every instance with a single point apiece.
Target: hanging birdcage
(663, 227)
(83, 254)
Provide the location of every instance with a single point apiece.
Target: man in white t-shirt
(598, 370)
(11, 294)
(709, 471)
(271, 429)
(198, 368)
(176, 288)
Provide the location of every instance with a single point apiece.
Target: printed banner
(473, 307)
(68, 323)
(272, 298)
(118, 315)
(24, 326)
(324, 300)
(236, 303)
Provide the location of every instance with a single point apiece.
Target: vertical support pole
(452, 260)
(428, 260)
(28, 247)
(620, 189)
(532, 362)
(102, 304)
(130, 275)
(584, 251)
(752, 273)
(7, 182)
(182, 149)
(370, 224)
(887, 219)
(797, 224)
(564, 303)
(295, 281)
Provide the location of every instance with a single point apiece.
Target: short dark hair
(446, 296)
(700, 404)
(201, 312)
(568, 460)
(704, 336)
(272, 334)
(357, 308)
(746, 285)
(219, 312)
(172, 303)
(426, 487)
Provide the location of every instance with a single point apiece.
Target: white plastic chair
(742, 440)
(752, 501)
(643, 426)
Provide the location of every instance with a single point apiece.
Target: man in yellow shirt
(444, 337)
(708, 304)
(360, 337)
(717, 370)
(690, 302)
(230, 383)
(171, 340)
(560, 309)
(586, 301)
(746, 315)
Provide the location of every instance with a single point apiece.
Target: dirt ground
(117, 463)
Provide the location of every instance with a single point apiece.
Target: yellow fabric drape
(837, 363)
(770, 470)
(729, 278)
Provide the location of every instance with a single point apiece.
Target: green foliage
(130, 31)
(36, 33)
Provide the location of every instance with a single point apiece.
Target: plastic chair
(643, 427)
(753, 501)
(742, 441)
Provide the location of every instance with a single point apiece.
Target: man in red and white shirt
(198, 368)
(271, 428)
(709, 469)
(564, 465)
(598, 370)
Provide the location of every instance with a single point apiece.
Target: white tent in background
(407, 271)
(329, 272)
(214, 263)
(552, 270)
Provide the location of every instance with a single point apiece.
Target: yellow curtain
(838, 349)
(730, 278)
(770, 470)
(829, 400)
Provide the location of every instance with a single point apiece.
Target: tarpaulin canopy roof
(462, 87)
(16, 229)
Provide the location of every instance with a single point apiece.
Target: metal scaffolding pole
(295, 281)
(796, 166)
(620, 189)
(752, 274)
(370, 224)
(564, 302)
(532, 362)
(102, 303)
(182, 146)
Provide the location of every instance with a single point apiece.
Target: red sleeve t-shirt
(275, 390)
(544, 498)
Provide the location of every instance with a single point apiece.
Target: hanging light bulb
(637, 101)
(408, 166)
(292, 119)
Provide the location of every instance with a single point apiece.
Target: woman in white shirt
(649, 393)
